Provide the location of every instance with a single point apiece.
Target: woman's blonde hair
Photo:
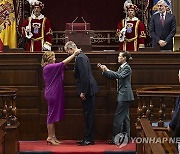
(47, 58)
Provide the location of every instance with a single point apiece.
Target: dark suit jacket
(84, 79)
(124, 82)
(177, 129)
(160, 32)
(175, 122)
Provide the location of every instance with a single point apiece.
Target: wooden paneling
(14, 77)
(176, 12)
(23, 71)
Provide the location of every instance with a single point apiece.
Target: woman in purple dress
(53, 74)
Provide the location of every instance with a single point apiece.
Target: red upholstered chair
(78, 26)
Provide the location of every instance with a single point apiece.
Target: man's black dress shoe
(111, 142)
(86, 143)
(80, 141)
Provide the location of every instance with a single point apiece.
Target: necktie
(119, 68)
(162, 19)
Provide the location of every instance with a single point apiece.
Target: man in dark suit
(175, 122)
(125, 95)
(162, 28)
(87, 89)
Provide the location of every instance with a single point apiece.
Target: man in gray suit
(125, 94)
(162, 28)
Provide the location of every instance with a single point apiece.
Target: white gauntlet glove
(122, 34)
(28, 32)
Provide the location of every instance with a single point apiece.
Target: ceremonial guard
(131, 31)
(37, 29)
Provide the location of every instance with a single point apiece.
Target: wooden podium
(80, 34)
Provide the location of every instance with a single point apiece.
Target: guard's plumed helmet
(38, 3)
(131, 6)
(34, 3)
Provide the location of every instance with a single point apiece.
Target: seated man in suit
(175, 122)
(162, 27)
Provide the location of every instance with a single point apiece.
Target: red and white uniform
(134, 35)
(41, 33)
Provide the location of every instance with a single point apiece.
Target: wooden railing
(152, 101)
(146, 131)
(150, 96)
(8, 96)
(157, 140)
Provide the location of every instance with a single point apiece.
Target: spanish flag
(8, 33)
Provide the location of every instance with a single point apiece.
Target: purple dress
(54, 91)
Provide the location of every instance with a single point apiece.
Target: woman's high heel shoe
(52, 142)
(56, 140)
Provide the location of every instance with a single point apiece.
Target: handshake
(102, 67)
